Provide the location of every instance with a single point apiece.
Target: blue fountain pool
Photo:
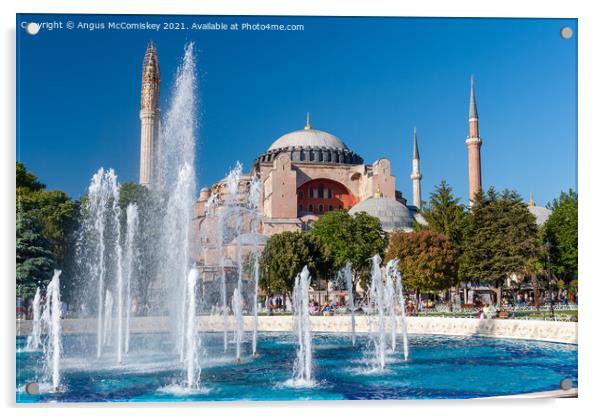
(440, 367)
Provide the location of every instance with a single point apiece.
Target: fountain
(346, 273)
(103, 190)
(255, 219)
(130, 255)
(193, 369)
(237, 304)
(51, 317)
(377, 301)
(393, 271)
(119, 273)
(108, 318)
(176, 184)
(302, 369)
(391, 302)
(34, 340)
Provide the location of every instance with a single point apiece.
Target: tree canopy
(427, 260)
(284, 256)
(355, 238)
(500, 239)
(561, 232)
(34, 257)
(445, 214)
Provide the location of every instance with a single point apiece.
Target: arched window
(329, 207)
(321, 208)
(329, 193)
(310, 208)
(311, 192)
(320, 191)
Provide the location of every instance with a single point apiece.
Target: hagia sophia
(309, 172)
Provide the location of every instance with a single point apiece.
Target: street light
(547, 247)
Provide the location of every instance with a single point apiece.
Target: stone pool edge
(551, 331)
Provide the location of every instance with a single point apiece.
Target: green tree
(428, 261)
(561, 231)
(354, 238)
(27, 181)
(284, 256)
(500, 240)
(445, 214)
(34, 257)
(58, 215)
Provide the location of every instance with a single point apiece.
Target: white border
(590, 137)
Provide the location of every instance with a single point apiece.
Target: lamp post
(547, 247)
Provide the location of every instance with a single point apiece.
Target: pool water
(439, 367)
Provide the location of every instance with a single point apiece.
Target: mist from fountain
(377, 302)
(34, 340)
(302, 369)
(51, 318)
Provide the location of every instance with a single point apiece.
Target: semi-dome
(308, 138)
(393, 215)
(541, 214)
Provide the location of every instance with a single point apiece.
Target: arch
(322, 195)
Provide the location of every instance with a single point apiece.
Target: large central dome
(310, 146)
(308, 137)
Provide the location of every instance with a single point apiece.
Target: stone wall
(564, 332)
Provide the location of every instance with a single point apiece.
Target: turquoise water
(440, 367)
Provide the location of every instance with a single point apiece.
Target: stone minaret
(474, 146)
(416, 175)
(149, 117)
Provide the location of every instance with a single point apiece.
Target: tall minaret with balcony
(474, 146)
(416, 175)
(149, 117)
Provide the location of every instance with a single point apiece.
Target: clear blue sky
(368, 81)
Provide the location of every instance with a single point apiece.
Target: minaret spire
(149, 116)
(416, 175)
(474, 146)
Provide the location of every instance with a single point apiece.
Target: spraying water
(193, 369)
(253, 202)
(347, 274)
(237, 304)
(391, 303)
(377, 303)
(119, 272)
(130, 254)
(51, 317)
(108, 318)
(393, 270)
(34, 340)
(175, 172)
(302, 370)
(103, 188)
